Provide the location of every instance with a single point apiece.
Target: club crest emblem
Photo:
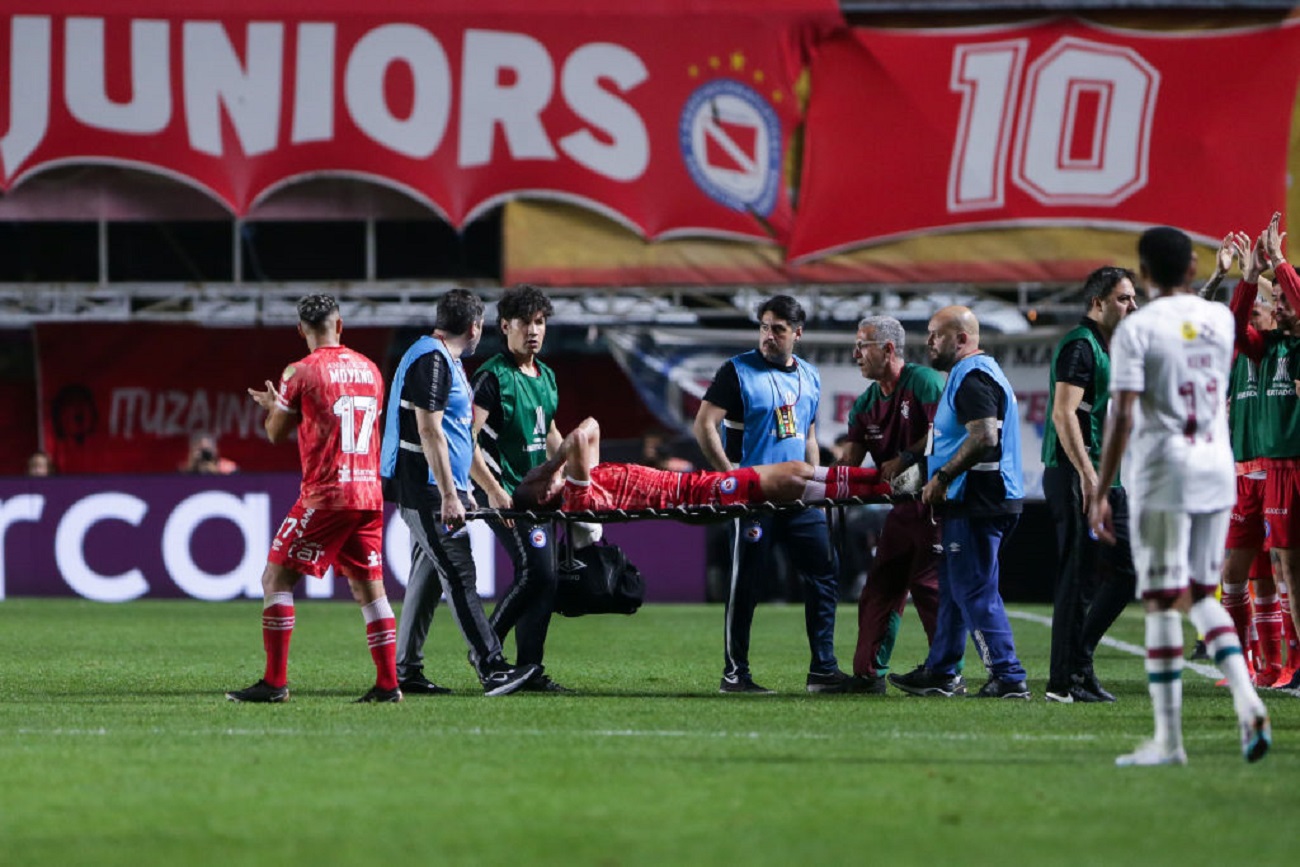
(730, 138)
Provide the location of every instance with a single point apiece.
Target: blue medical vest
(949, 432)
(763, 388)
(457, 418)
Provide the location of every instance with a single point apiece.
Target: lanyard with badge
(787, 422)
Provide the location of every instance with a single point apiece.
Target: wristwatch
(943, 477)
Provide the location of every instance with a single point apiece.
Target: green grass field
(117, 747)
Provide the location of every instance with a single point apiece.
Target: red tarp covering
(672, 116)
(1052, 123)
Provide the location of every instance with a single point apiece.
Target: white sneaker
(908, 482)
(1256, 737)
(1150, 753)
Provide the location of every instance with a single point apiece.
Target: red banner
(1058, 123)
(673, 116)
(127, 397)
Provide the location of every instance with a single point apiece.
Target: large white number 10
(356, 438)
(1084, 129)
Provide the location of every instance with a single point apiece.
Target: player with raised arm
(332, 398)
(1246, 558)
(1170, 362)
(1278, 410)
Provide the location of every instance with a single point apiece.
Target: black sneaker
(541, 682)
(834, 682)
(380, 696)
(1072, 694)
(1088, 685)
(504, 681)
(418, 684)
(260, 693)
(742, 684)
(867, 684)
(1199, 652)
(924, 682)
(999, 688)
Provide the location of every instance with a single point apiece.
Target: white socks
(380, 609)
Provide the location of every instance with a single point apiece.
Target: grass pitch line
(1200, 668)
(901, 735)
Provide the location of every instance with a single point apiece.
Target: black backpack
(598, 579)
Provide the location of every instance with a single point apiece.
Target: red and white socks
(381, 635)
(1268, 623)
(1236, 601)
(277, 629)
(842, 482)
(1288, 625)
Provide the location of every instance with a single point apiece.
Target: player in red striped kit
(575, 480)
(333, 398)
(1278, 415)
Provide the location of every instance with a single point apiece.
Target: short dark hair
(315, 310)
(784, 307)
(528, 493)
(524, 302)
(458, 310)
(1166, 254)
(1102, 282)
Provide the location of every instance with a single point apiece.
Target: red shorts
(1247, 529)
(1263, 565)
(1282, 504)
(351, 540)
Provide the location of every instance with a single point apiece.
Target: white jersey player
(1168, 421)
(1175, 354)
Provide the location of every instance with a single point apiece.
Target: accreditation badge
(787, 425)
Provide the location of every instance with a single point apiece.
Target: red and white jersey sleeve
(339, 394)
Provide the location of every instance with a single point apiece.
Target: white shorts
(1173, 550)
